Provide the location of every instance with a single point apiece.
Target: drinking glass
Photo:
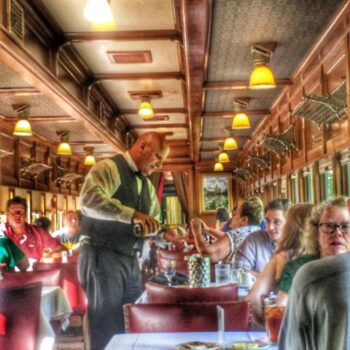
(222, 274)
(273, 319)
(169, 269)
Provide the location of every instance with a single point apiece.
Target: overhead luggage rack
(280, 143)
(323, 110)
(242, 174)
(262, 162)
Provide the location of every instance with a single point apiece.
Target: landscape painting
(216, 192)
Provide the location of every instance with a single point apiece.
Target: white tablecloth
(54, 307)
(167, 341)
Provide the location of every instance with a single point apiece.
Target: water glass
(169, 270)
(222, 274)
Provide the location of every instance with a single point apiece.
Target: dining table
(171, 341)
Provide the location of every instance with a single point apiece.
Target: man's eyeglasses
(330, 227)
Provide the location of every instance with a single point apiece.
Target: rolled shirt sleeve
(100, 185)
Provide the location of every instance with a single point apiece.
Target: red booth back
(47, 278)
(19, 310)
(177, 255)
(70, 283)
(160, 294)
(145, 318)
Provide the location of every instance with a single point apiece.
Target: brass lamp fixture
(99, 14)
(240, 118)
(230, 144)
(23, 127)
(145, 108)
(223, 157)
(89, 158)
(218, 167)
(64, 147)
(262, 76)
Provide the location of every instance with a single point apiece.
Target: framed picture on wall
(215, 192)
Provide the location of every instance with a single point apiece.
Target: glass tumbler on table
(169, 269)
(273, 320)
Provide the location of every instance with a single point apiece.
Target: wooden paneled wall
(324, 69)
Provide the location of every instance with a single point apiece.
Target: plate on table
(197, 345)
(248, 345)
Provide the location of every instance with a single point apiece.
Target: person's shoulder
(321, 269)
(253, 236)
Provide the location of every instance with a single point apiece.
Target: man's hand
(149, 224)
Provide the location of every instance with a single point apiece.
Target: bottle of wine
(138, 230)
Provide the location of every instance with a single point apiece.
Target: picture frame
(215, 192)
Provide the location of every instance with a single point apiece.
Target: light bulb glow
(218, 167)
(99, 13)
(262, 78)
(240, 121)
(223, 157)
(89, 160)
(22, 128)
(230, 144)
(146, 110)
(64, 148)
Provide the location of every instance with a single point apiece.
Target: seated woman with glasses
(327, 234)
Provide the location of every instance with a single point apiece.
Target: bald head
(149, 152)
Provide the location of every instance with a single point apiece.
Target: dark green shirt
(9, 253)
(286, 279)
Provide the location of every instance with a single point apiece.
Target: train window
(308, 188)
(344, 161)
(328, 184)
(294, 188)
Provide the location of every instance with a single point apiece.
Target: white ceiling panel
(171, 90)
(128, 14)
(164, 55)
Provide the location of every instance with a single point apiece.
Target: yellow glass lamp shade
(218, 167)
(230, 144)
(64, 148)
(223, 157)
(262, 78)
(146, 110)
(240, 121)
(22, 128)
(99, 14)
(89, 160)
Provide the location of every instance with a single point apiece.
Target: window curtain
(181, 186)
(158, 181)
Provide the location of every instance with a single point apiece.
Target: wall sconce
(89, 158)
(262, 76)
(145, 108)
(99, 14)
(64, 147)
(240, 118)
(23, 127)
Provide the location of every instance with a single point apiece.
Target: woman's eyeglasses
(330, 227)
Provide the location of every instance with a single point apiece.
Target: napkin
(2, 324)
(221, 325)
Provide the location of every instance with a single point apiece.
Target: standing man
(116, 194)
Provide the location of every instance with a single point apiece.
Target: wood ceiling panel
(173, 119)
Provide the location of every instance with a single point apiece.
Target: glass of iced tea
(273, 320)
